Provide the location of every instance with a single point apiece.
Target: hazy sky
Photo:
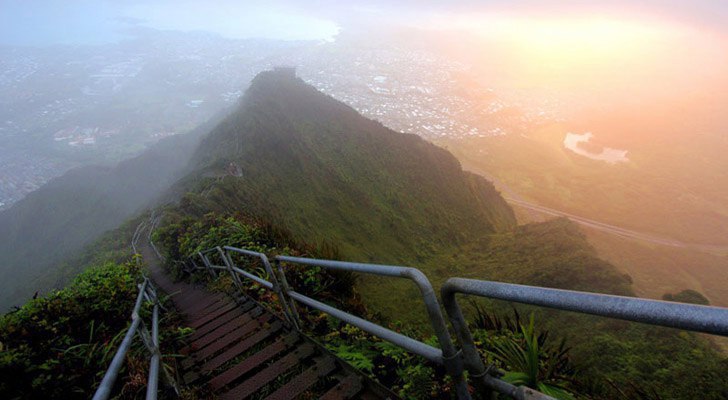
(34, 22)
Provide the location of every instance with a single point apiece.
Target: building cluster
(20, 175)
(417, 92)
(141, 95)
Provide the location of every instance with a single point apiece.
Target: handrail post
(451, 358)
(471, 357)
(153, 380)
(697, 318)
(287, 289)
(206, 262)
(229, 264)
(282, 299)
(484, 379)
(148, 292)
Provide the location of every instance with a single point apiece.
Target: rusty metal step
(241, 347)
(249, 317)
(251, 362)
(347, 388)
(191, 298)
(194, 302)
(226, 329)
(322, 367)
(207, 308)
(221, 321)
(197, 321)
(270, 373)
(225, 341)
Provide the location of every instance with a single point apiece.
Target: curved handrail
(697, 318)
(236, 273)
(447, 356)
(684, 316)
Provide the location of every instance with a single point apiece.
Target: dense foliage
(529, 356)
(627, 360)
(306, 163)
(295, 172)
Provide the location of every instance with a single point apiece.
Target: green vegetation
(671, 188)
(529, 357)
(552, 254)
(575, 364)
(626, 360)
(60, 345)
(687, 296)
(295, 172)
(316, 167)
(410, 376)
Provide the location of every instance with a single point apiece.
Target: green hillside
(56, 221)
(325, 171)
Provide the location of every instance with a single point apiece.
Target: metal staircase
(242, 348)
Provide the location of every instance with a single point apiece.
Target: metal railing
(713, 320)
(237, 273)
(148, 292)
(137, 234)
(150, 340)
(154, 222)
(446, 356)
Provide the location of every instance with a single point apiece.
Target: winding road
(616, 230)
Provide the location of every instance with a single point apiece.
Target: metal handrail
(104, 389)
(151, 341)
(137, 234)
(447, 356)
(146, 291)
(236, 273)
(697, 318)
(154, 222)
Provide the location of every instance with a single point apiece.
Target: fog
(92, 22)
(97, 82)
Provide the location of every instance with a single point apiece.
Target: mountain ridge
(285, 132)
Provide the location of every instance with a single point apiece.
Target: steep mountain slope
(58, 219)
(302, 161)
(312, 163)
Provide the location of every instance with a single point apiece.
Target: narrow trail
(241, 350)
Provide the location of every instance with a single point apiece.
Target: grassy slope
(544, 172)
(314, 166)
(664, 179)
(320, 164)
